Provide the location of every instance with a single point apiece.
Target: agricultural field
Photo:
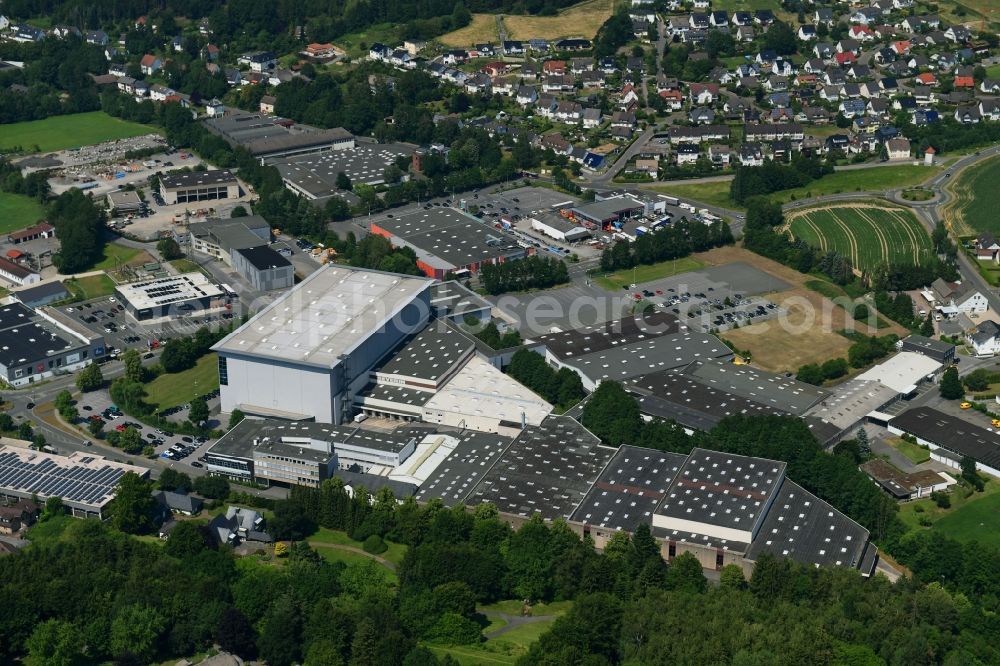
(975, 199)
(582, 20)
(70, 131)
(869, 234)
(18, 211)
(482, 29)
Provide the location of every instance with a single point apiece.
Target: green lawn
(92, 286)
(975, 521)
(869, 235)
(348, 557)
(186, 266)
(915, 453)
(169, 390)
(825, 288)
(71, 131)
(50, 530)
(715, 193)
(513, 607)
(641, 274)
(356, 44)
(504, 649)
(18, 211)
(394, 554)
(116, 255)
(874, 179)
(971, 517)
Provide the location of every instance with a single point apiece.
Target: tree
(55, 643)
(212, 487)
(53, 508)
(927, 326)
(781, 37)
(343, 182)
(198, 413)
(951, 386)
(864, 447)
(130, 441)
(79, 226)
(235, 417)
(970, 474)
(685, 574)
(731, 577)
(235, 634)
(171, 479)
(186, 540)
(134, 371)
(133, 506)
(280, 640)
(238, 211)
(169, 249)
(135, 631)
(90, 378)
(25, 431)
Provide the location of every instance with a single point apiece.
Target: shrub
(941, 499)
(375, 545)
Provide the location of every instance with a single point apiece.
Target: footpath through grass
(170, 390)
(615, 281)
(70, 131)
(394, 553)
(18, 211)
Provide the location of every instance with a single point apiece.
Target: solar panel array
(76, 480)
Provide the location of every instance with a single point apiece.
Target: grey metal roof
(26, 337)
(548, 470)
(952, 433)
(776, 391)
(599, 337)
(197, 178)
(803, 527)
(629, 488)
(317, 173)
(639, 358)
(264, 258)
(431, 354)
(456, 478)
(722, 489)
(455, 299)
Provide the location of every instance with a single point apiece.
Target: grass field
(119, 255)
(18, 211)
(975, 199)
(394, 554)
(72, 131)
(615, 281)
(582, 20)
(825, 288)
(186, 266)
(170, 390)
(971, 517)
(92, 286)
(870, 234)
(715, 193)
(356, 44)
(482, 29)
(874, 179)
(915, 453)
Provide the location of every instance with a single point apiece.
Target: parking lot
(106, 316)
(182, 449)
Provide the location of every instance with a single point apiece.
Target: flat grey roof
(26, 337)
(803, 527)
(722, 489)
(238, 442)
(396, 393)
(263, 258)
(197, 178)
(429, 355)
(629, 488)
(639, 358)
(599, 337)
(777, 391)
(364, 164)
(938, 346)
(456, 299)
(548, 470)
(602, 210)
(950, 432)
(690, 402)
(325, 316)
(124, 197)
(262, 134)
(457, 476)
(851, 401)
(451, 235)
(54, 288)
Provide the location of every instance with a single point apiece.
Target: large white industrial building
(307, 354)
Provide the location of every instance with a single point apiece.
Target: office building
(37, 344)
(195, 186)
(177, 295)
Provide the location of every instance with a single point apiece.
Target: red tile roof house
(927, 79)
(846, 58)
(554, 67)
(150, 64)
(965, 82)
(495, 69)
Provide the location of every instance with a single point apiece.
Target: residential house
(720, 155)
(898, 149)
(687, 153)
(592, 118)
(807, 33)
(556, 143)
(989, 109)
(554, 67)
(701, 116)
(526, 95)
(267, 103)
(513, 48)
(719, 19)
(568, 112)
(150, 64)
(984, 339)
(751, 154)
(623, 119)
(950, 298)
(987, 247)
(239, 525)
(703, 93)
(742, 19)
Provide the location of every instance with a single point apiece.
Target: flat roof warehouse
(326, 316)
(197, 178)
(166, 291)
(315, 175)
